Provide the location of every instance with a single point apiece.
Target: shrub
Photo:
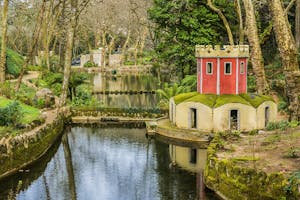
(272, 126)
(283, 106)
(6, 90)
(14, 62)
(283, 125)
(89, 64)
(11, 114)
(34, 68)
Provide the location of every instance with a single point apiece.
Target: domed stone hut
(221, 102)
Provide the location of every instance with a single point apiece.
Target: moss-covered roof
(181, 97)
(215, 101)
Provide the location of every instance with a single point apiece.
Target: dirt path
(269, 152)
(29, 76)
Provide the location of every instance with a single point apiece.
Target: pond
(107, 163)
(127, 83)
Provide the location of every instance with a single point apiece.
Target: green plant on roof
(215, 101)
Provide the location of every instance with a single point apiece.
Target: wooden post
(200, 185)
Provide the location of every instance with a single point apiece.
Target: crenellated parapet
(226, 51)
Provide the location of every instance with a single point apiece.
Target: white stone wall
(218, 119)
(247, 117)
(261, 113)
(204, 116)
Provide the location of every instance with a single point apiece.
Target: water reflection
(188, 158)
(107, 163)
(126, 83)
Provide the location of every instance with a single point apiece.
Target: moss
(21, 155)
(245, 159)
(182, 97)
(229, 98)
(256, 100)
(237, 182)
(215, 101)
(206, 99)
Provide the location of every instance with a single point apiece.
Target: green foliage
(14, 62)
(52, 78)
(84, 96)
(293, 152)
(294, 182)
(29, 113)
(251, 83)
(34, 68)
(11, 114)
(189, 83)
(89, 64)
(282, 125)
(180, 25)
(283, 106)
(129, 62)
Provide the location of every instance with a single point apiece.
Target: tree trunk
(289, 55)
(33, 45)
(240, 19)
(297, 24)
(256, 53)
(3, 41)
(68, 53)
(124, 48)
(223, 18)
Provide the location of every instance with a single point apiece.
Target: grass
(182, 97)
(230, 98)
(29, 113)
(256, 100)
(215, 101)
(208, 99)
(245, 159)
(5, 130)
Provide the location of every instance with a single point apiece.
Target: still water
(108, 163)
(127, 83)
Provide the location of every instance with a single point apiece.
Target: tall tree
(297, 24)
(256, 53)
(3, 41)
(224, 19)
(178, 27)
(289, 55)
(75, 10)
(34, 42)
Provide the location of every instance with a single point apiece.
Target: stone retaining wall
(231, 181)
(20, 151)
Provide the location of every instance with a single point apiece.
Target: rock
(45, 95)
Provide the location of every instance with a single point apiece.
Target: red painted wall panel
(228, 81)
(243, 77)
(209, 81)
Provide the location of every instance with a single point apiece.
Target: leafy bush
(11, 114)
(89, 64)
(6, 90)
(283, 106)
(56, 88)
(14, 62)
(52, 78)
(294, 124)
(84, 96)
(251, 80)
(34, 68)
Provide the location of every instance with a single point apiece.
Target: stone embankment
(20, 151)
(232, 181)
